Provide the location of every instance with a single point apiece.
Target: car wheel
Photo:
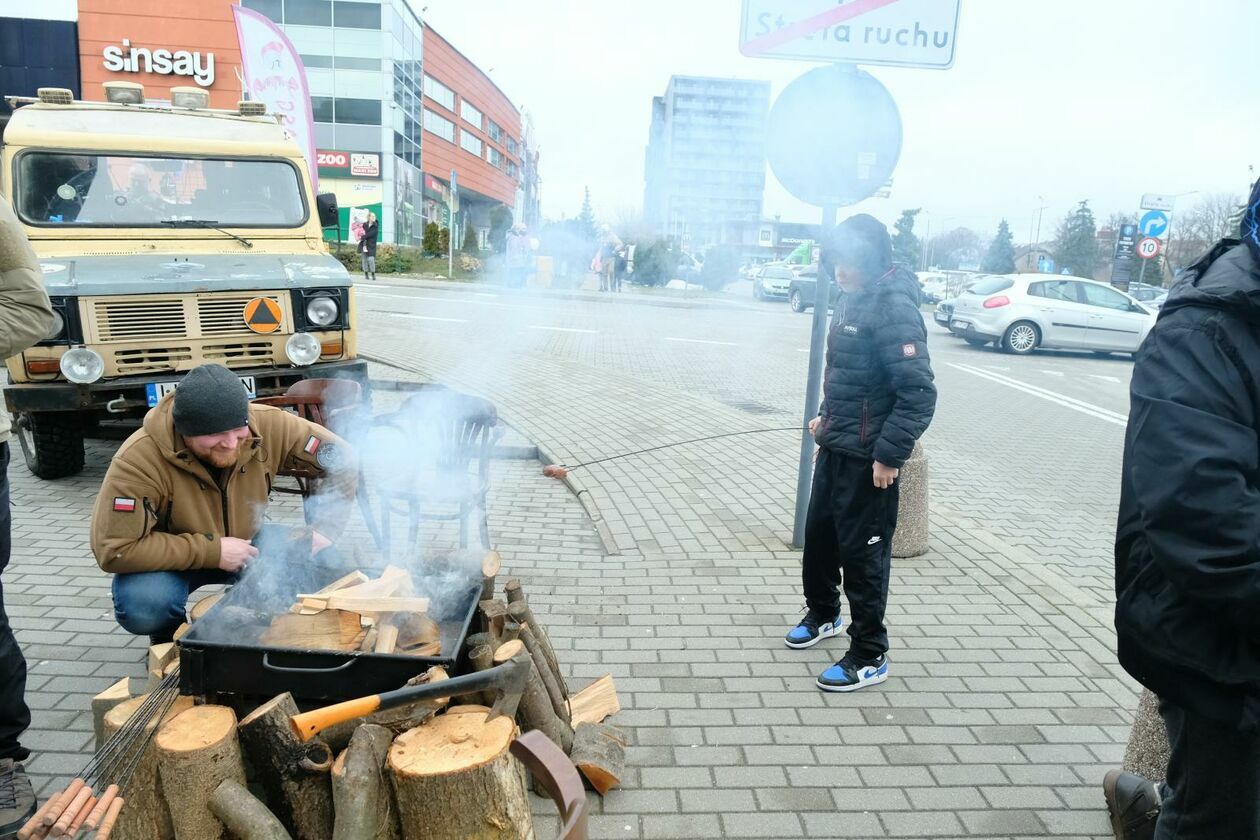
(795, 301)
(976, 342)
(1021, 338)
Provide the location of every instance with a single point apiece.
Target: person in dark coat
(878, 399)
(1188, 547)
(367, 247)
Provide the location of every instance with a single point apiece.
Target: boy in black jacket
(878, 398)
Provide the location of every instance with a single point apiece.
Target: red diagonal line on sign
(804, 27)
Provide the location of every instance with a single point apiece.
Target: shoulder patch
(123, 504)
(909, 351)
(312, 445)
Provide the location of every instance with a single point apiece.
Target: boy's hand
(884, 476)
(319, 542)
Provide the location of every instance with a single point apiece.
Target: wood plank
(353, 579)
(327, 630)
(380, 604)
(595, 702)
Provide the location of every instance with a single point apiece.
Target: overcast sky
(1069, 99)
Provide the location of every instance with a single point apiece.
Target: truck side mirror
(326, 208)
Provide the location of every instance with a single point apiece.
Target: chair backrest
(317, 400)
(461, 425)
(557, 775)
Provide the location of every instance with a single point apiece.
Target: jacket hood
(902, 281)
(1227, 277)
(1250, 227)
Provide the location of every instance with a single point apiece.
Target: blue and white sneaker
(814, 627)
(850, 674)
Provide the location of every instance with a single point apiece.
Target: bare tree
(1195, 230)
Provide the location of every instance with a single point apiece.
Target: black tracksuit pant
(848, 541)
(15, 717)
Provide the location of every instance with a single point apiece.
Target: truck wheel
(52, 443)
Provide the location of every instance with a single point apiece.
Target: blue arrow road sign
(1154, 223)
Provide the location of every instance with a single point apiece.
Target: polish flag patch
(312, 445)
(124, 505)
(909, 351)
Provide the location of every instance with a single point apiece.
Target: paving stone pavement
(1004, 707)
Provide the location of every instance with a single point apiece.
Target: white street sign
(1158, 201)
(1148, 247)
(906, 33)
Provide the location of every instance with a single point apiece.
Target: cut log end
(507, 650)
(196, 728)
(450, 743)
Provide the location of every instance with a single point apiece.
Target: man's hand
(319, 542)
(813, 425)
(884, 476)
(235, 554)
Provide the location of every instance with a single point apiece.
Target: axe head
(511, 685)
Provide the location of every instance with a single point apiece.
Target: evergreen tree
(1076, 243)
(586, 218)
(905, 245)
(1000, 258)
(471, 245)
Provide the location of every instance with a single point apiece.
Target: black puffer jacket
(878, 394)
(1188, 541)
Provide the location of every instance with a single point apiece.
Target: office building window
(494, 156)
(357, 15)
(322, 108)
(439, 93)
(357, 111)
(437, 124)
(345, 63)
(471, 115)
(470, 143)
(513, 149)
(496, 133)
(270, 8)
(311, 62)
(308, 12)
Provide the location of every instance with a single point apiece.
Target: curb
(584, 498)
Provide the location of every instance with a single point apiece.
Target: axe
(508, 680)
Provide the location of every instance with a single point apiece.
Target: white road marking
(1052, 372)
(1106, 378)
(485, 294)
(562, 329)
(702, 341)
(425, 317)
(802, 349)
(1061, 399)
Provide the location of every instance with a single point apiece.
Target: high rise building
(705, 169)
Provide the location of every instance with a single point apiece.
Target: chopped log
(595, 702)
(197, 751)
(198, 610)
(599, 753)
(369, 640)
(243, 814)
(534, 711)
(549, 679)
(386, 633)
(353, 579)
(377, 603)
(476, 640)
(146, 816)
(362, 801)
(454, 778)
(180, 631)
(293, 775)
(469, 709)
(511, 631)
(482, 659)
(415, 630)
(516, 595)
(391, 581)
(491, 565)
(119, 692)
(327, 630)
(160, 656)
(493, 613)
(397, 720)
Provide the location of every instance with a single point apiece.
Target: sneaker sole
(876, 680)
(834, 631)
(1109, 796)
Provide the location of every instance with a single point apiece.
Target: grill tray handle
(266, 661)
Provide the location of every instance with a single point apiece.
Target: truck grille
(242, 354)
(149, 359)
(173, 317)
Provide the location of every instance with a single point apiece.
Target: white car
(1022, 312)
(935, 286)
(772, 283)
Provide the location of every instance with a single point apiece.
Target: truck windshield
(55, 188)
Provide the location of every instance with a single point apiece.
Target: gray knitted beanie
(210, 400)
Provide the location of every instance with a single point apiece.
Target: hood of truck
(138, 274)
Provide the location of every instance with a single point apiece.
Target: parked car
(944, 310)
(803, 289)
(935, 286)
(1023, 312)
(1157, 303)
(773, 282)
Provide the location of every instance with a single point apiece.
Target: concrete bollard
(913, 529)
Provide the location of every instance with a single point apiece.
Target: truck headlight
(58, 325)
(321, 311)
(302, 349)
(83, 366)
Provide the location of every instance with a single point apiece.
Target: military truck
(170, 234)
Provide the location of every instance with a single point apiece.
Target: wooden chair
(557, 775)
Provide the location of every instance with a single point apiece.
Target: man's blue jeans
(152, 603)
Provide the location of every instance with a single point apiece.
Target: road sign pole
(813, 385)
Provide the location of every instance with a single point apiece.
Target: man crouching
(185, 495)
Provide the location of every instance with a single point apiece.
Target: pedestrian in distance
(610, 245)
(517, 254)
(25, 318)
(367, 246)
(185, 495)
(878, 399)
(1188, 549)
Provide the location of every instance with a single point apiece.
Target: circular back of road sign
(1149, 247)
(262, 315)
(834, 136)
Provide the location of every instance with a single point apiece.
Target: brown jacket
(25, 314)
(159, 508)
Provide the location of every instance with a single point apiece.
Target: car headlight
(302, 349)
(321, 311)
(58, 325)
(83, 366)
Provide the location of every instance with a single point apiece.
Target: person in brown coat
(185, 495)
(25, 318)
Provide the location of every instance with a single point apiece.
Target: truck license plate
(154, 391)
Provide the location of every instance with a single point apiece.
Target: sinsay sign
(128, 59)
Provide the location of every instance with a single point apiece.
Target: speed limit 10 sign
(1148, 247)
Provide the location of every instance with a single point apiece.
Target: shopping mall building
(396, 107)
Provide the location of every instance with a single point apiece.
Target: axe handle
(309, 724)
